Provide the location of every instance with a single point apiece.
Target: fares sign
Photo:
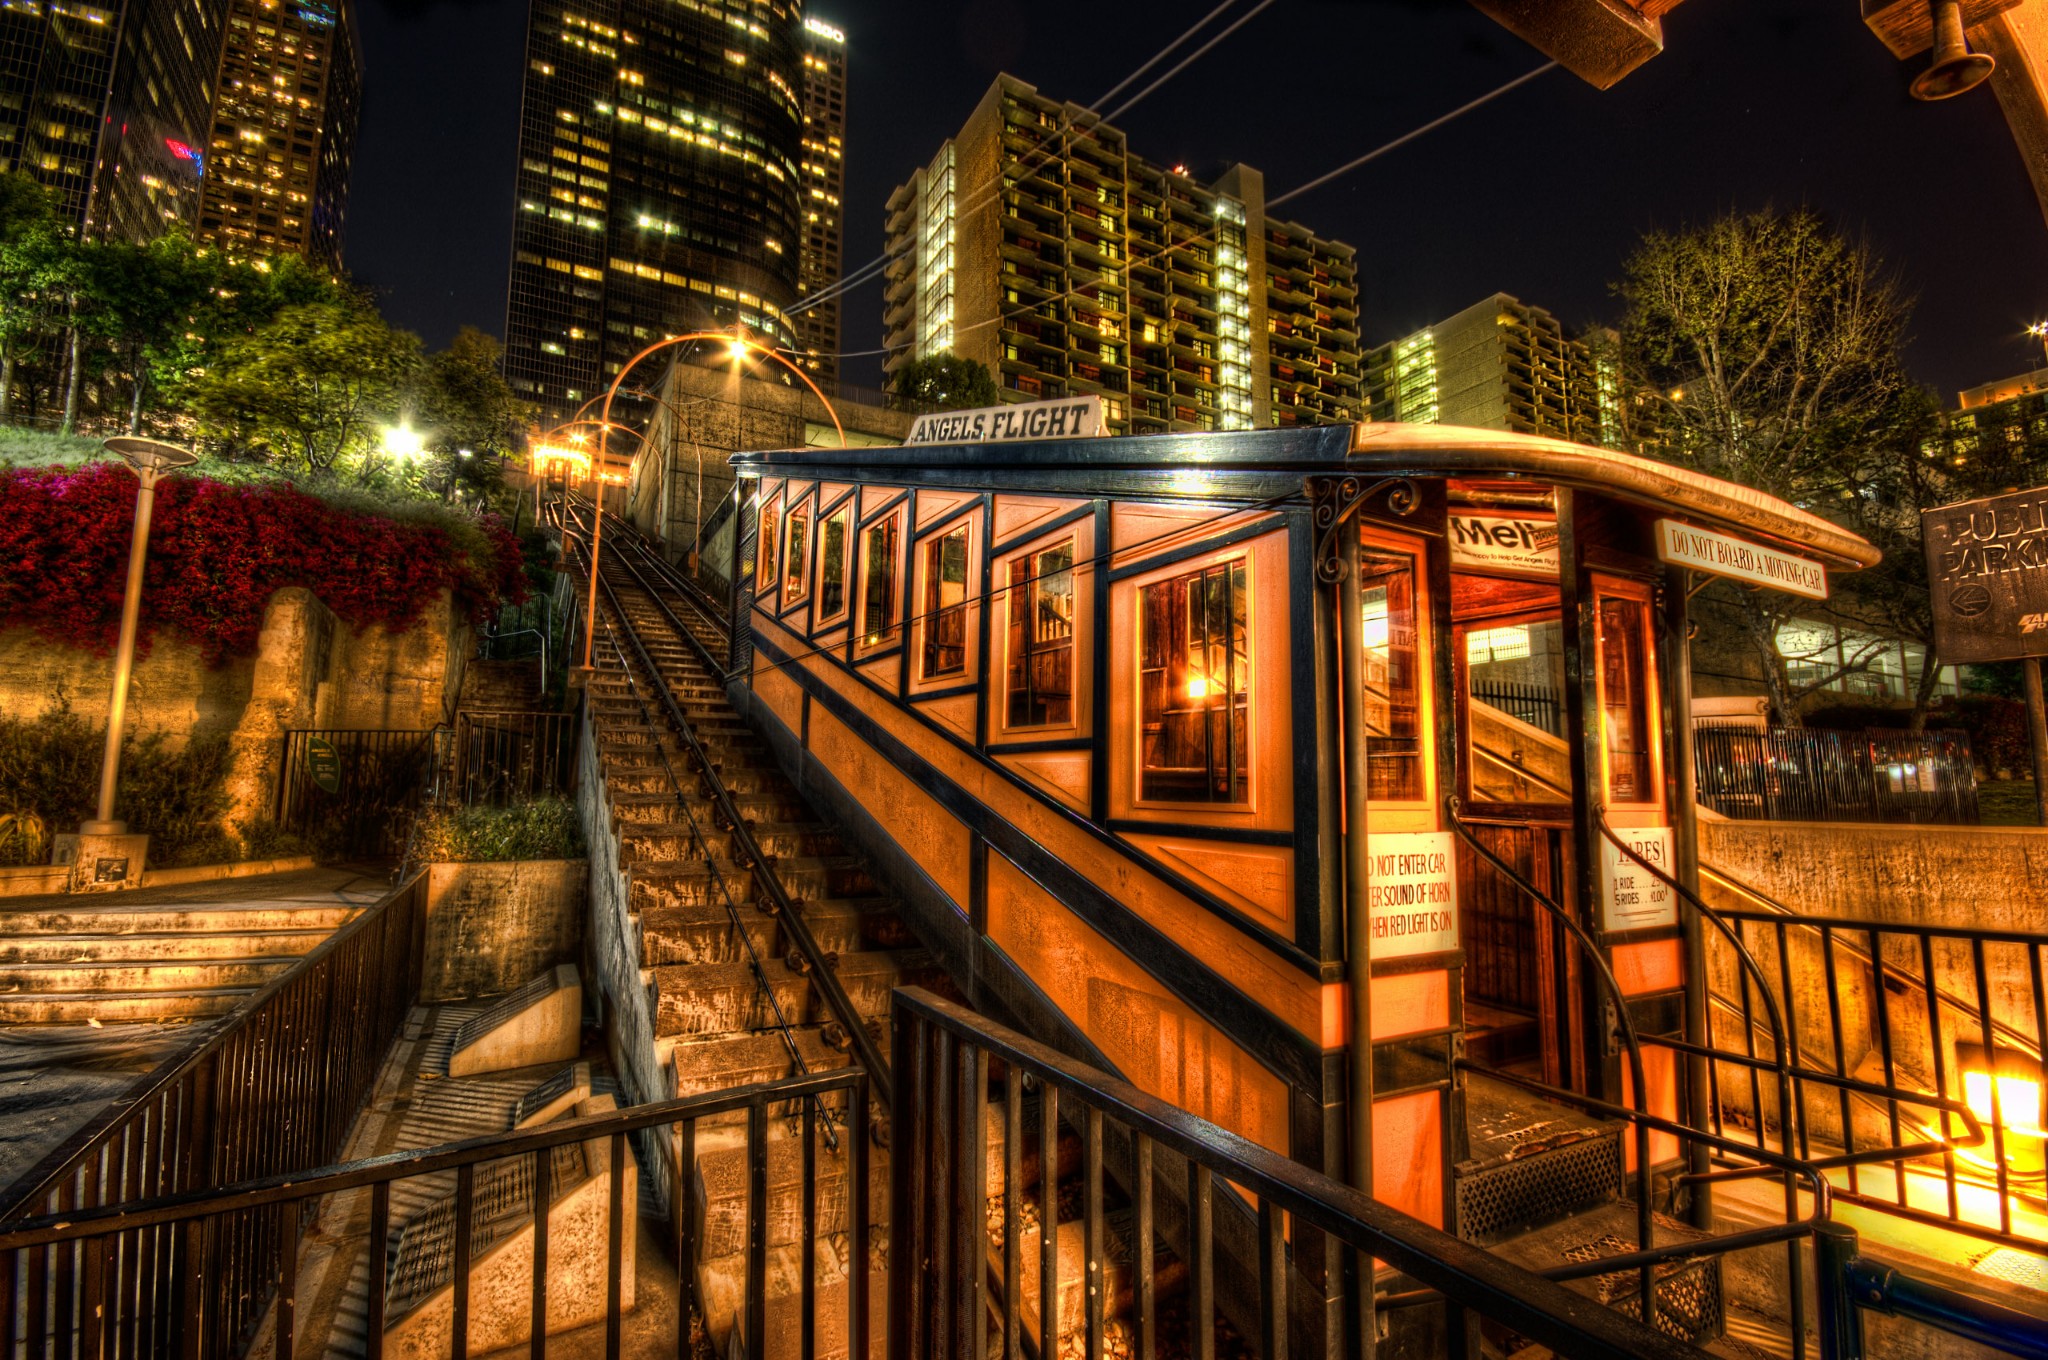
(1725, 555)
(1505, 543)
(1987, 569)
(1411, 894)
(1631, 897)
(1069, 418)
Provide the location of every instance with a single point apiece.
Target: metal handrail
(47, 1175)
(732, 911)
(1536, 1308)
(1622, 1022)
(1885, 1289)
(821, 973)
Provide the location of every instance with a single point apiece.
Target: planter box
(493, 927)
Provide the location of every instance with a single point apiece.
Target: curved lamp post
(148, 459)
(741, 347)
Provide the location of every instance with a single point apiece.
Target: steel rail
(785, 908)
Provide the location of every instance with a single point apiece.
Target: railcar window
(1040, 681)
(796, 570)
(945, 604)
(878, 582)
(1393, 705)
(1194, 683)
(1514, 707)
(832, 565)
(1624, 702)
(764, 551)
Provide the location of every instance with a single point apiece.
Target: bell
(1955, 68)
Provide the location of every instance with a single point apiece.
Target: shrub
(540, 828)
(218, 551)
(1997, 728)
(50, 768)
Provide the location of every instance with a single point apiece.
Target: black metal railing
(1216, 1198)
(500, 757)
(217, 1297)
(1948, 1024)
(1814, 775)
(274, 1090)
(1536, 705)
(351, 792)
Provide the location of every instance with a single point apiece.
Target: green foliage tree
(948, 382)
(469, 413)
(310, 388)
(1764, 348)
(30, 244)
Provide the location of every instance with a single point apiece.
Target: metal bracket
(1334, 500)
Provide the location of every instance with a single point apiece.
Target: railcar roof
(1375, 448)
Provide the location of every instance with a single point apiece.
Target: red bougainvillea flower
(218, 552)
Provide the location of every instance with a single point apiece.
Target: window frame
(843, 511)
(1417, 813)
(1073, 538)
(891, 633)
(796, 576)
(961, 524)
(1550, 814)
(1224, 558)
(768, 556)
(1640, 596)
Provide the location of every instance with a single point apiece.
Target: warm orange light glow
(1199, 687)
(550, 455)
(2019, 1102)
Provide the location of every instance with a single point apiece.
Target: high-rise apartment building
(285, 107)
(824, 166)
(108, 106)
(1498, 365)
(660, 187)
(1038, 244)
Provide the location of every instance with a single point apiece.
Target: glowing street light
(148, 459)
(2039, 330)
(403, 441)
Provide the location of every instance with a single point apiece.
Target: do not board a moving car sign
(1987, 573)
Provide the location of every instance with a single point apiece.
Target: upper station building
(1038, 244)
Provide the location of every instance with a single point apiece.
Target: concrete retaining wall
(1976, 877)
(612, 955)
(309, 670)
(492, 928)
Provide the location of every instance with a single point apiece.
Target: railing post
(1839, 1316)
(903, 1209)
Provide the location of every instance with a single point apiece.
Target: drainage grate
(1688, 1295)
(2015, 1267)
(1515, 1196)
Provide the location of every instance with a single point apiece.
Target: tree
(311, 388)
(947, 382)
(1764, 349)
(469, 414)
(30, 245)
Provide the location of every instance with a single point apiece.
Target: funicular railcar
(1198, 754)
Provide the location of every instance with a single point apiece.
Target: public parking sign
(1987, 570)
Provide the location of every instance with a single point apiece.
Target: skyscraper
(285, 105)
(108, 106)
(660, 187)
(1036, 243)
(824, 187)
(1500, 364)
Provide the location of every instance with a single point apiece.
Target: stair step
(166, 946)
(1689, 1295)
(165, 920)
(60, 1008)
(720, 1190)
(703, 932)
(699, 1063)
(142, 975)
(719, 998)
(656, 883)
(1532, 1162)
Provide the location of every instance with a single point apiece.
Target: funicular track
(657, 652)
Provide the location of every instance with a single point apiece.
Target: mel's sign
(1987, 570)
(1505, 543)
(1068, 418)
(1411, 896)
(1725, 555)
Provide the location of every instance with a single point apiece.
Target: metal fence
(496, 758)
(273, 1091)
(1813, 775)
(1536, 705)
(351, 792)
(1959, 1017)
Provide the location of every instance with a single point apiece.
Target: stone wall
(613, 951)
(492, 928)
(1970, 877)
(309, 670)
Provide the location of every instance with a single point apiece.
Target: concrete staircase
(729, 996)
(501, 686)
(113, 958)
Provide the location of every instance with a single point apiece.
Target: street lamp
(148, 459)
(403, 441)
(2039, 330)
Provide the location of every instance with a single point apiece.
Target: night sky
(1539, 194)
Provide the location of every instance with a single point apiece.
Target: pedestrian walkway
(97, 990)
